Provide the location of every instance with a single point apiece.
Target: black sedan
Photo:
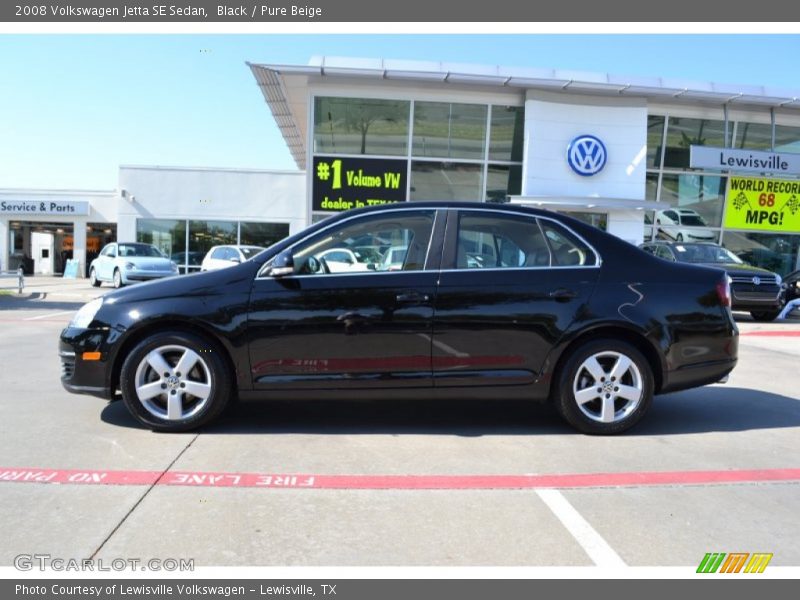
(754, 290)
(490, 301)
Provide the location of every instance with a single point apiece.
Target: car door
(510, 285)
(316, 328)
(104, 266)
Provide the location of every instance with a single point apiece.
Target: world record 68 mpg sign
(342, 183)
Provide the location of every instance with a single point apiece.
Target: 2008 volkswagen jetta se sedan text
(479, 301)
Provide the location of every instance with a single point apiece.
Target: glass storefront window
(655, 139)
(753, 136)
(445, 130)
(507, 133)
(683, 133)
(787, 139)
(262, 234)
(595, 219)
(649, 219)
(704, 194)
(446, 181)
(776, 252)
(503, 181)
(361, 126)
(651, 186)
(167, 235)
(205, 234)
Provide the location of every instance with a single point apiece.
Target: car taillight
(724, 291)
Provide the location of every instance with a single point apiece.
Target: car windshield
(250, 251)
(140, 250)
(705, 253)
(693, 221)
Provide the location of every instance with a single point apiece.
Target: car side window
(219, 254)
(499, 241)
(649, 249)
(390, 241)
(568, 250)
(110, 251)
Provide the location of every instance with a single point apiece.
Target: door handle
(412, 297)
(562, 295)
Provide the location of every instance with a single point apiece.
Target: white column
(79, 246)
(627, 224)
(4, 245)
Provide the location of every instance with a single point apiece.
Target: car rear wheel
(117, 279)
(604, 387)
(764, 315)
(93, 278)
(175, 381)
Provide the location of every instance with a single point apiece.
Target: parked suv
(754, 290)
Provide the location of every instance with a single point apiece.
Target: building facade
(183, 211)
(369, 131)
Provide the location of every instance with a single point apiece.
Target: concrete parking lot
(715, 469)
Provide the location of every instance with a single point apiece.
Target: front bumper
(130, 275)
(81, 375)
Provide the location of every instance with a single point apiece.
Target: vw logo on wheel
(586, 155)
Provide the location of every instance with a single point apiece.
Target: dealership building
(641, 157)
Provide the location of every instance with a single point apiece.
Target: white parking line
(592, 542)
(48, 315)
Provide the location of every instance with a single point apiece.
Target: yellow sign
(763, 204)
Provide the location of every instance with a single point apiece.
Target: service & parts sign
(342, 183)
(763, 204)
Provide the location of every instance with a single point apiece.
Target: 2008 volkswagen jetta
(479, 301)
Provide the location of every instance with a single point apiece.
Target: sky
(75, 107)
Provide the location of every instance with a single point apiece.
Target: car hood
(236, 279)
(147, 263)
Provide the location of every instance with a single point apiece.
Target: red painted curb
(393, 482)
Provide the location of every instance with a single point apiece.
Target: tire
(575, 381)
(93, 279)
(764, 315)
(150, 377)
(117, 279)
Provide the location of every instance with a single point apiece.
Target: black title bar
(438, 11)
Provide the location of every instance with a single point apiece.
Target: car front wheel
(175, 381)
(604, 387)
(117, 279)
(93, 278)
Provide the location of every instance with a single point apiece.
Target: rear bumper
(696, 375)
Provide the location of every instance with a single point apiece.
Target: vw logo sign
(586, 155)
(756, 280)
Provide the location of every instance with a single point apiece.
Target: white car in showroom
(220, 257)
(125, 263)
(683, 225)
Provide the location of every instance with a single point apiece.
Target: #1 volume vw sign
(586, 155)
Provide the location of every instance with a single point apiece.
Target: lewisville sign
(748, 161)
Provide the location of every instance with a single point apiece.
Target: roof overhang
(285, 87)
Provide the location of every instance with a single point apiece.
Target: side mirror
(283, 264)
(235, 259)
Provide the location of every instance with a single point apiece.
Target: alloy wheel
(608, 387)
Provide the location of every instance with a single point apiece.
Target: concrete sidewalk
(45, 286)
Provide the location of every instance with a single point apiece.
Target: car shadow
(35, 302)
(703, 410)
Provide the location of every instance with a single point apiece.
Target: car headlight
(130, 266)
(778, 279)
(86, 314)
